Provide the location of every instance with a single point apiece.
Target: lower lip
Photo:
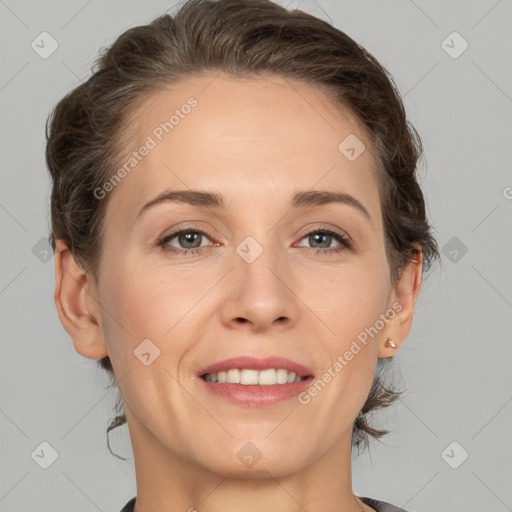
(257, 396)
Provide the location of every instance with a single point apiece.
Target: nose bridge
(259, 261)
(261, 283)
(256, 233)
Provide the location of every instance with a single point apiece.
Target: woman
(239, 240)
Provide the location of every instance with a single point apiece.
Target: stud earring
(390, 343)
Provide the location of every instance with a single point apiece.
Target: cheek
(144, 303)
(142, 308)
(133, 311)
(350, 304)
(349, 300)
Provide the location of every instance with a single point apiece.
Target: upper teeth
(254, 377)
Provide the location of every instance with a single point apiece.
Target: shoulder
(379, 506)
(129, 506)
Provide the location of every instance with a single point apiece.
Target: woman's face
(265, 278)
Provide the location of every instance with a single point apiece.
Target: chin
(276, 465)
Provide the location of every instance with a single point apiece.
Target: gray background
(455, 364)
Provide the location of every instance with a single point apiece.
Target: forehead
(252, 139)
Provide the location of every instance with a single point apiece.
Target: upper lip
(255, 363)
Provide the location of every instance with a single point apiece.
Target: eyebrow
(215, 200)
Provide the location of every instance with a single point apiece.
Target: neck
(167, 480)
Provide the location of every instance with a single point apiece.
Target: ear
(77, 304)
(404, 295)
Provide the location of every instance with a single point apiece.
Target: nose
(262, 293)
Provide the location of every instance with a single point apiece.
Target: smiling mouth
(251, 377)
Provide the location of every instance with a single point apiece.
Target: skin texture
(257, 141)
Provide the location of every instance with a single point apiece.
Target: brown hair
(237, 37)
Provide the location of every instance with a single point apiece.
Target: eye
(190, 240)
(324, 237)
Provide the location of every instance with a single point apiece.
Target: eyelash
(343, 239)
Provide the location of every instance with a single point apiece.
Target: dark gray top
(379, 506)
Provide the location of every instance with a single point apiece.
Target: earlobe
(405, 293)
(77, 304)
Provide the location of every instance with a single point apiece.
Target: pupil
(327, 237)
(186, 238)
